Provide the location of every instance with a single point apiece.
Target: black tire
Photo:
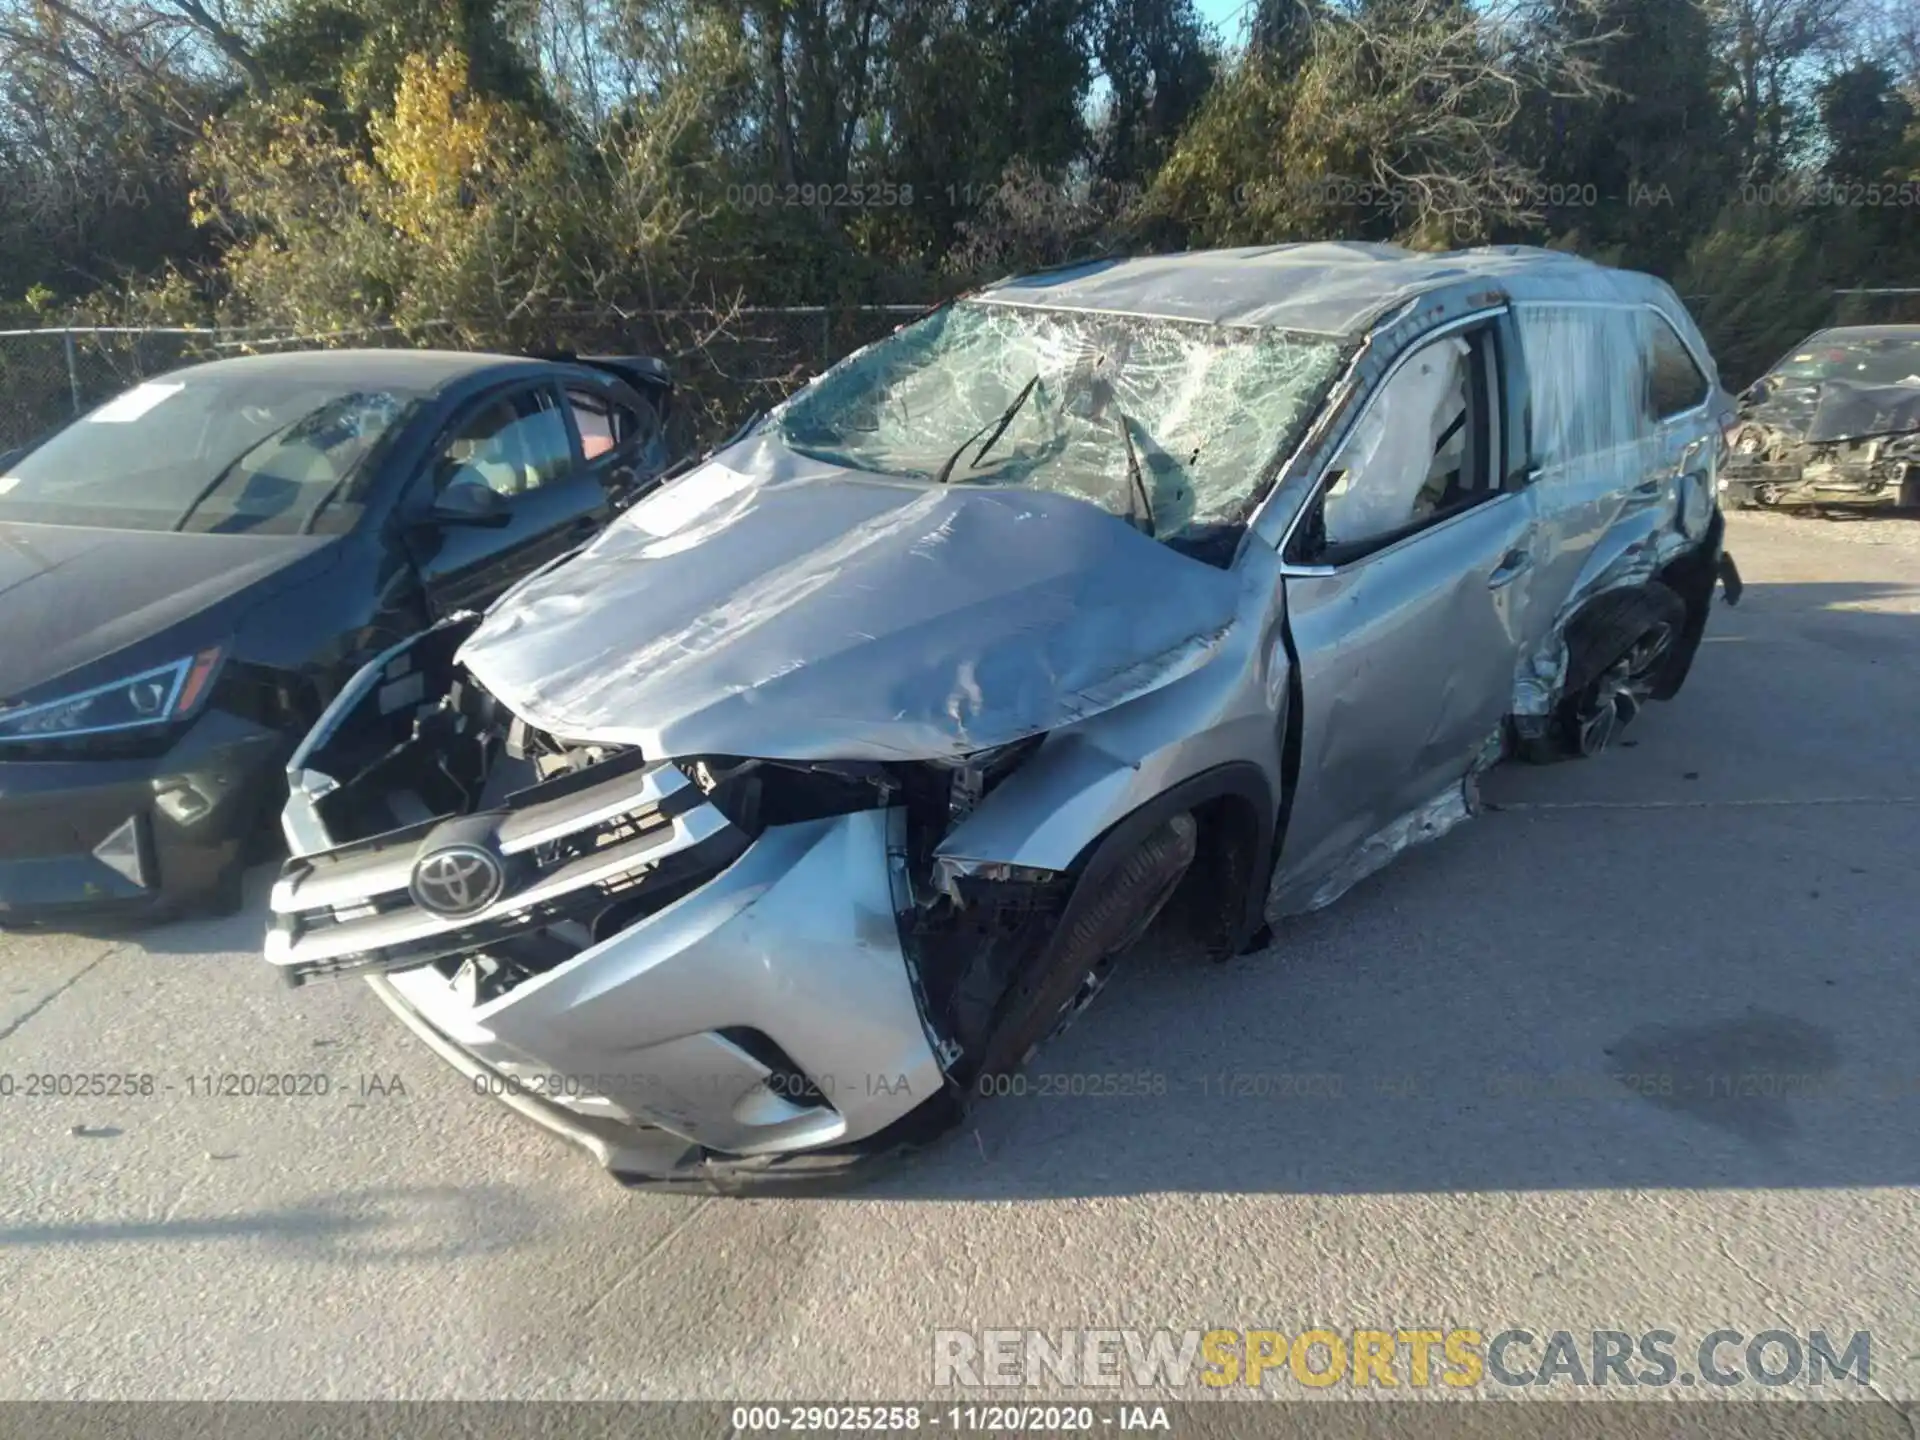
(1076, 964)
(227, 896)
(1618, 650)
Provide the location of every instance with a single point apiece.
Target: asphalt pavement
(1439, 1102)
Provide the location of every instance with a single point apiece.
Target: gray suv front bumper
(752, 999)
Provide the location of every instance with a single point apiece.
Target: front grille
(573, 849)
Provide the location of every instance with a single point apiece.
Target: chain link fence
(727, 363)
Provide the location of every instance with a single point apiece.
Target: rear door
(1682, 406)
(1400, 586)
(1600, 479)
(520, 443)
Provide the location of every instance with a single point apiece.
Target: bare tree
(1889, 31)
(161, 59)
(1773, 51)
(1424, 95)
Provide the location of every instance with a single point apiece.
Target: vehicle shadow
(1687, 963)
(244, 931)
(410, 1224)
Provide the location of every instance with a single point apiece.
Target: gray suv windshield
(1206, 408)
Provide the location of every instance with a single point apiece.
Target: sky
(1229, 17)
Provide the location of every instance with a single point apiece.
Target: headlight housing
(153, 697)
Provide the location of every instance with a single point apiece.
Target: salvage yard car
(189, 572)
(1835, 422)
(833, 778)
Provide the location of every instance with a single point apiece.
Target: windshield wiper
(320, 505)
(998, 427)
(1137, 484)
(205, 492)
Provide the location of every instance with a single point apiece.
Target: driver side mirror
(468, 502)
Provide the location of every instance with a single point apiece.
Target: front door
(1401, 588)
(519, 444)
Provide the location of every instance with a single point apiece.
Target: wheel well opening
(1210, 905)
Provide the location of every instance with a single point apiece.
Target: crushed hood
(1852, 411)
(763, 606)
(1786, 408)
(1821, 412)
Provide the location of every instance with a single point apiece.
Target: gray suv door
(1400, 581)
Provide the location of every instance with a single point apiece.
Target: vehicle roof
(1327, 287)
(423, 371)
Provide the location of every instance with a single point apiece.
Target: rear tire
(1618, 650)
(1078, 962)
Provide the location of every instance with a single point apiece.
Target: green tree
(1398, 120)
(1158, 67)
(1640, 163)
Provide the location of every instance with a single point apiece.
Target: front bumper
(127, 838)
(763, 1010)
(1759, 484)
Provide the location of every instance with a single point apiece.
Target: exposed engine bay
(1772, 467)
(426, 757)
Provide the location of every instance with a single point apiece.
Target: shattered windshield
(1865, 360)
(1168, 424)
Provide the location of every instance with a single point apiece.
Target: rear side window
(1674, 381)
(604, 423)
(1587, 380)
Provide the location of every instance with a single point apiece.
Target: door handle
(1512, 566)
(1649, 487)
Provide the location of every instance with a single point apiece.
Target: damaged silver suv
(808, 799)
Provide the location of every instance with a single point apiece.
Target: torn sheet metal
(1850, 411)
(846, 616)
(1459, 802)
(1445, 812)
(812, 595)
(1595, 445)
(1837, 420)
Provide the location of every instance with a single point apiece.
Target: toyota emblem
(458, 880)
